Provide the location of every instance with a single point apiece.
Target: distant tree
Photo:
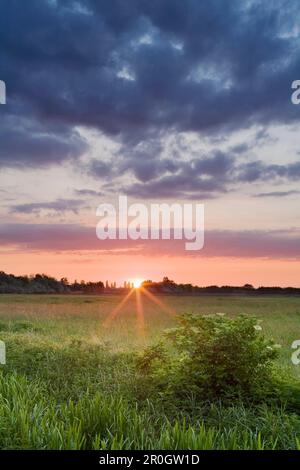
(166, 280)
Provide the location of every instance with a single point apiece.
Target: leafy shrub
(211, 357)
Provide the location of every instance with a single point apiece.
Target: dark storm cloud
(176, 186)
(124, 67)
(197, 178)
(138, 69)
(68, 237)
(209, 176)
(27, 143)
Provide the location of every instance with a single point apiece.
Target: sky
(164, 101)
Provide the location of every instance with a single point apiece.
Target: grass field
(70, 383)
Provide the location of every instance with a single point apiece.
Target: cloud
(59, 206)
(88, 192)
(278, 194)
(235, 244)
(198, 178)
(100, 169)
(209, 176)
(259, 171)
(177, 186)
(139, 71)
(27, 143)
(126, 69)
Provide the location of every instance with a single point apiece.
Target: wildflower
(257, 327)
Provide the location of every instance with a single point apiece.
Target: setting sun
(137, 283)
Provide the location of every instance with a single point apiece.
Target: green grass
(70, 383)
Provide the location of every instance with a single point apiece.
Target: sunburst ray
(170, 311)
(140, 315)
(117, 309)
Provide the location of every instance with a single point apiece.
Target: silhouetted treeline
(167, 286)
(87, 287)
(43, 284)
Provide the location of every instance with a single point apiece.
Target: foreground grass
(67, 385)
(29, 420)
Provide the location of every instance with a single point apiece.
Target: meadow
(71, 383)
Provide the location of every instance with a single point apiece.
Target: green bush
(210, 357)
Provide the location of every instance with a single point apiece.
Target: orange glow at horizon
(203, 271)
